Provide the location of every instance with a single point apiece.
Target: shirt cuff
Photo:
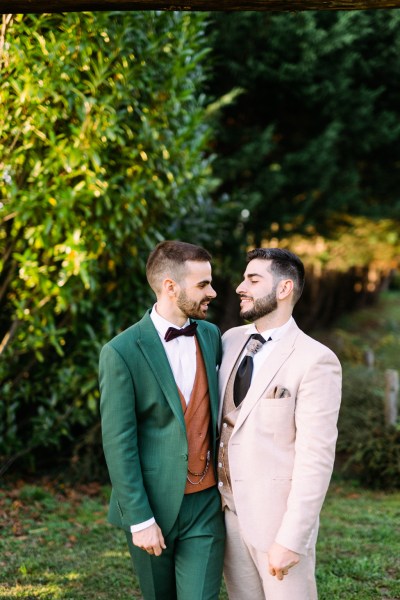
(140, 526)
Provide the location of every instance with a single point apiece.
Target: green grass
(358, 552)
(55, 545)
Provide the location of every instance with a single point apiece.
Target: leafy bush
(366, 447)
(102, 139)
(376, 460)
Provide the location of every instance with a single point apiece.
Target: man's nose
(241, 288)
(211, 292)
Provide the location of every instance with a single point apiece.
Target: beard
(261, 307)
(190, 308)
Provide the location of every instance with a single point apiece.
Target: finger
(279, 575)
(161, 540)
(157, 550)
(272, 571)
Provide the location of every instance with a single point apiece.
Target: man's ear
(170, 287)
(285, 288)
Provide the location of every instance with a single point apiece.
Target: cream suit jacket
(281, 451)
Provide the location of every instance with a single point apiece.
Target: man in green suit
(159, 406)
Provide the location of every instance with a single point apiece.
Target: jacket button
(185, 457)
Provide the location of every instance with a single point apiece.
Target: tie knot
(173, 332)
(254, 344)
(259, 337)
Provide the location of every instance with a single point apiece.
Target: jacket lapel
(267, 372)
(231, 349)
(153, 351)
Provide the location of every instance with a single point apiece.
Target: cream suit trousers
(246, 571)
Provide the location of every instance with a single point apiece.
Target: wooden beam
(53, 6)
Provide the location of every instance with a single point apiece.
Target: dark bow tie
(173, 333)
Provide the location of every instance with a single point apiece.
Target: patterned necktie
(245, 370)
(173, 333)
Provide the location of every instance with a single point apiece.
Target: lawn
(55, 544)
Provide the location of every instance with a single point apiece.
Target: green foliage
(102, 140)
(367, 448)
(313, 136)
(370, 450)
(362, 405)
(375, 329)
(376, 459)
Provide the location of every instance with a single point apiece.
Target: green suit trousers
(191, 566)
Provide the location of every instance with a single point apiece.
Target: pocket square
(278, 392)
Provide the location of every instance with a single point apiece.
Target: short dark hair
(283, 264)
(168, 259)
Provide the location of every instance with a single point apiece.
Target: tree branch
(7, 281)
(9, 335)
(6, 20)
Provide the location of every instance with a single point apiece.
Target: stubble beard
(191, 309)
(261, 307)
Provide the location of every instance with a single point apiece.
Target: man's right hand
(150, 539)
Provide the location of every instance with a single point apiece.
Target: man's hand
(281, 559)
(150, 539)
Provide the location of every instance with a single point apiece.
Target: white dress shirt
(275, 334)
(181, 354)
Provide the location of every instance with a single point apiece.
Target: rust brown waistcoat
(198, 429)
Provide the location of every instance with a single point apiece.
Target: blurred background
(227, 130)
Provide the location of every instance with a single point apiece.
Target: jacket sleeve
(317, 407)
(119, 432)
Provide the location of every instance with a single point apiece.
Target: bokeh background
(228, 130)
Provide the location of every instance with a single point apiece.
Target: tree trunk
(48, 6)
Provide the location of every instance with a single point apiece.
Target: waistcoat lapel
(205, 343)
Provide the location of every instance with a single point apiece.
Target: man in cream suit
(280, 393)
(159, 409)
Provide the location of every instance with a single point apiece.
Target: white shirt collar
(275, 334)
(162, 324)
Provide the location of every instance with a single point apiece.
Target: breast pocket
(277, 416)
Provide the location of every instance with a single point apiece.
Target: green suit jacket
(143, 427)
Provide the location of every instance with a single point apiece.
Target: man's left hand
(281, 559)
